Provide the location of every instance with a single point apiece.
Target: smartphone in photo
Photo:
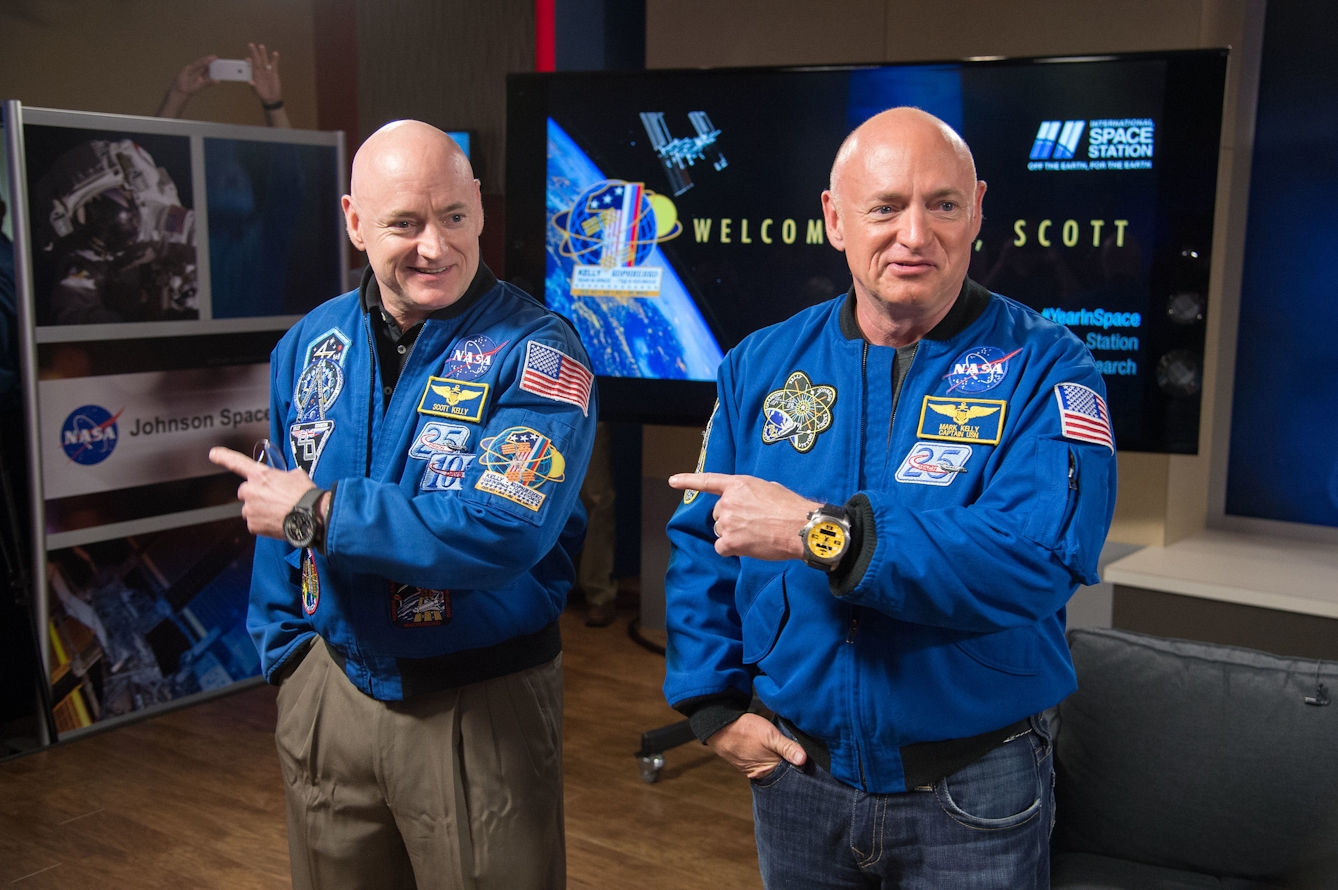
(230, 69)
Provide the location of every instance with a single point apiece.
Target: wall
(444, 62)
(1162, 498)
(119, 56)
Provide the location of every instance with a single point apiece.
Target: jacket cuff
(863, 543)
(708, 714)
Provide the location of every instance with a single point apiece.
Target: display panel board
(158, 262)
(1288, 314)
(669, 214)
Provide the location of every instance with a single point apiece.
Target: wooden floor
(194, 799)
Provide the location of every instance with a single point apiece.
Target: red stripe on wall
(545, 35)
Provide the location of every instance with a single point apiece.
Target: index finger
(711, 483)
(235, 462)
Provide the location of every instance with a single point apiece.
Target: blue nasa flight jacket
(455, 515)
(977, 517)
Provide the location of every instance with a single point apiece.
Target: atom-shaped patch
(798, 412)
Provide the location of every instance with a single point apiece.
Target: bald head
(406, 148)
(904, 205)
(415, 207)
(870, 142)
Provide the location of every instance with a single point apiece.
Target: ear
(478, 202)
(979, 208)
(353, 222)
(832, 217)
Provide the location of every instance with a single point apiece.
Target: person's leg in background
(595, 574)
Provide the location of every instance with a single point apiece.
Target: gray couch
(1192, 765)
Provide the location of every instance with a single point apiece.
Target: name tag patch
(933, 463)
(418, 606)
(457, 399)
(979, 421)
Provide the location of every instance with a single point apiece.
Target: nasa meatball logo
(89, 434)
(472, 358)
(979, 369)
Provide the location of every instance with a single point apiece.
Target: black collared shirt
(393, 346)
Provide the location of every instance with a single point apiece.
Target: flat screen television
(669, 214)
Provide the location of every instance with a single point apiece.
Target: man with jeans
(909, 639)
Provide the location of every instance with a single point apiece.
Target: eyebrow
(409, 214)
(945, 192)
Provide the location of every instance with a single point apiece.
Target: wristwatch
(826, 537)
(302, 527)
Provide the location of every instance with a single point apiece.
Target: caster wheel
(650, 767)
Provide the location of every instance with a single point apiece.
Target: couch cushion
(1196, 757)
(1087, 871)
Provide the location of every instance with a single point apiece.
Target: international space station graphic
(677, 155)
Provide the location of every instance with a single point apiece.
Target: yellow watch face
(826, 540)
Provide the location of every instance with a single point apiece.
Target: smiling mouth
(431, 271)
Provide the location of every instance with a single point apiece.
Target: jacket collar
(970, 305)
(369, 293)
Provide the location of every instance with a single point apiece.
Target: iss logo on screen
(1123, 144)
(89, 434)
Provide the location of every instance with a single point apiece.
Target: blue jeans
(985, 827)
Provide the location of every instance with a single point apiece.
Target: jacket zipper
(372, 391)
(863, 436)
(854, 610)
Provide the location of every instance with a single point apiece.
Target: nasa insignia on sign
(979, 369)
(89, 434)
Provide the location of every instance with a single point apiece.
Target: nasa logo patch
(933, 463)
(89, 434)
(311, 583)
(418, 606)
(472, 358)
(979, 369)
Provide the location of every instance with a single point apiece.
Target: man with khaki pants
(412, 564)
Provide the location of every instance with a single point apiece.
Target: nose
(915, 232)
(432, 242)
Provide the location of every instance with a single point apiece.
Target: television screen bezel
(689, 402)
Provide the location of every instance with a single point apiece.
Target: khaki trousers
(457, 790)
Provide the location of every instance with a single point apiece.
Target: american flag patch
(1083, 415)
(555, 375)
